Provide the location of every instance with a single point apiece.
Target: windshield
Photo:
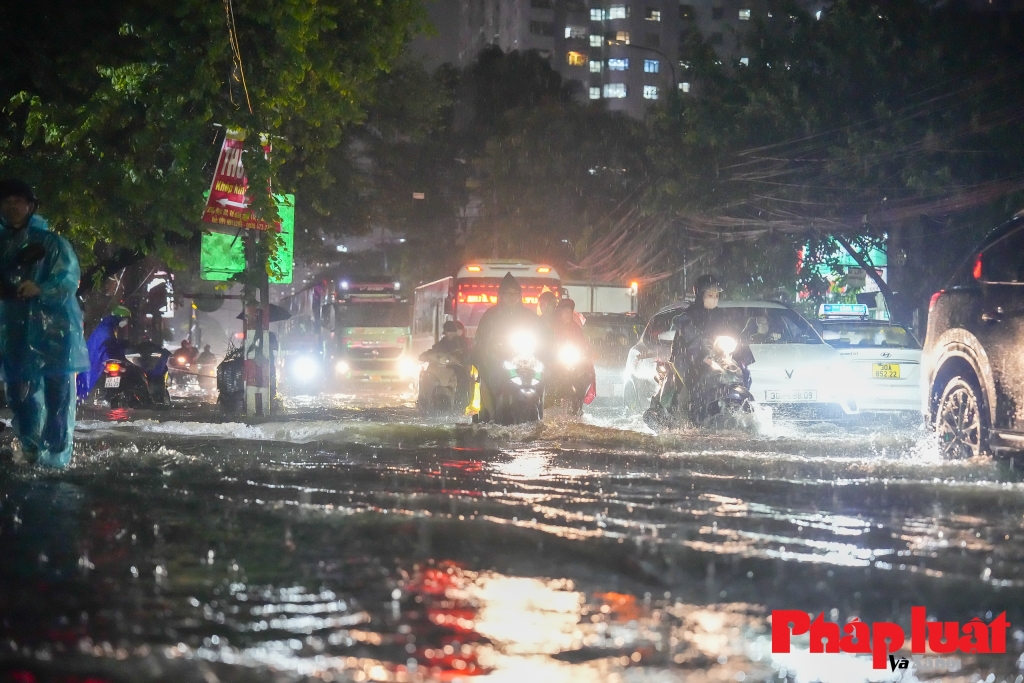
(372, 315)
(611, 341)
(757, 325)
(867, 335)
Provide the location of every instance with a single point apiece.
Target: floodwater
(355, 541)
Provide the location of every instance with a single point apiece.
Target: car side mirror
(667, 337)
(449, 305)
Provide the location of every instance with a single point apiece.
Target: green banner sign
(223, 255)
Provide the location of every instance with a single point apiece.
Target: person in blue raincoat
(104, 343)
(42, 342)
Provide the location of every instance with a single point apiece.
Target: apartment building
(626, 53)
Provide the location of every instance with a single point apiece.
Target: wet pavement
(356, 541)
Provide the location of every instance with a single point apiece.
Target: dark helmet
(706, 283)
(12, 187)
(450, 326)
(460, 326)
(567, 305)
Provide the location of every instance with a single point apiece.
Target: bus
(472, 291)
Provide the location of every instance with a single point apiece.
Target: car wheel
(630, 398)
(959, 422)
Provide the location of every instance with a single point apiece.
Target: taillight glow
(635, 286)
(113, 369)
(934, 299)
(977, 268)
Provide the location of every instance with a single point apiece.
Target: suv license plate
(885, 370)
(790, 396)
(112, 382)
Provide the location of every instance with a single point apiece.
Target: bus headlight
(341, 367)
(305, 368)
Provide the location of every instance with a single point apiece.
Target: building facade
(626, 53)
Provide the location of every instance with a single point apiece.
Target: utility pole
(256, 329)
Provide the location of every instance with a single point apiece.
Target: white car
(794, 372)
(886, 358)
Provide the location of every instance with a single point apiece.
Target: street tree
(115, 109)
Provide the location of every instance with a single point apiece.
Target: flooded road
(356, 541)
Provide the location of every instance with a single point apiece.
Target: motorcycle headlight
(725, 345)
(569, 355)
(408, 368)
(341, 367)
(523, 343)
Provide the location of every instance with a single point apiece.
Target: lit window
(650, 92)
(744, 15)
(615, 90)
(684, 87)
(576, 32)
(595, 67)
(817, 15)
(651, 66)
(576, 58)
(745, 61)
(618, 12)
(618, 64)
(595, 41)
(622, 37)
(595, 93)
(653, 14)
(597, 14)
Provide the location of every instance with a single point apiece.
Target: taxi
(886, 357)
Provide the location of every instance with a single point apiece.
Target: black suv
(973, 359)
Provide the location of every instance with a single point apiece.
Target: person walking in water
(42, 339)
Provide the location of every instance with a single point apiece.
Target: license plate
(112, 382)
(791, 396)
(885, 370)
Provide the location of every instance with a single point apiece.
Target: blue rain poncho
(43, 335)
(103, 345)
(42, 343)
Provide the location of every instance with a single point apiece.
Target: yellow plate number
(885, 370)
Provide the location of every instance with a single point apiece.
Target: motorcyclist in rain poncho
(104, 344)
(42, 344)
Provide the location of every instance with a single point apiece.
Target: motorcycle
(719, 398)
(231, 381)
(439, 384)
(124, 384)
(519, 396)
(570, 380)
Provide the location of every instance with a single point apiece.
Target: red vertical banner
(228, 203)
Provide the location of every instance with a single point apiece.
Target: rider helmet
(450, 326)
(706, 283)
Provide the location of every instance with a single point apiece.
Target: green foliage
(115, 109)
